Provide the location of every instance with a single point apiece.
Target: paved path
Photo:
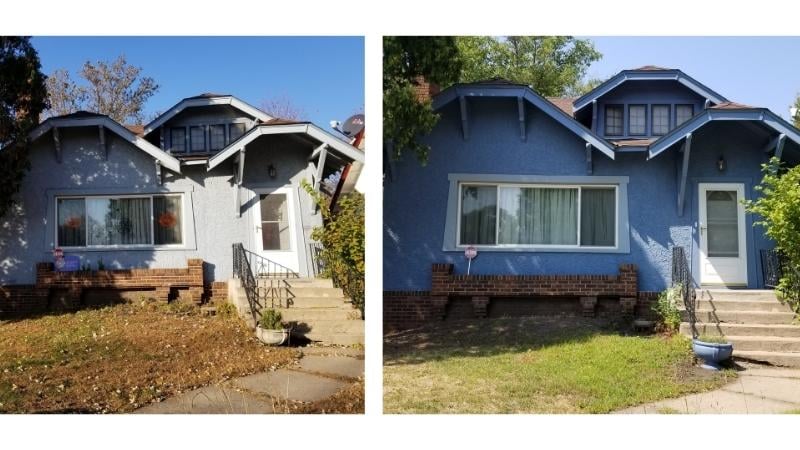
(759, 389)
(321, 373)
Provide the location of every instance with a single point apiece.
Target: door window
(274, 222)
(723, 224)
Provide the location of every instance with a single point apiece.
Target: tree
(22, 99)
(115, 89)
(551, 65)
(406, 61)
(584, 87)
(282, 107)
(796, 107)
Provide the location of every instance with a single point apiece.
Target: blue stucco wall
(415, 199)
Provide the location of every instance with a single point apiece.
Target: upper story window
(235, 131)
(216, 137)
(614, 120)
(660, 120)
(637, 120)
(683, 113)
(177, 142)
(198, 138)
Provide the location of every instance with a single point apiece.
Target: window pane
(274, 222)
(71, 222)
(124, 221)
(723, 223)
(598, 217)
(614, 120)
(478, 215)
(660, 119)
(683, 113)
(198, 135)
(217, 137)
(168, 221)
(178, 140)
(636, 120)
(547, 216)
(236, 130)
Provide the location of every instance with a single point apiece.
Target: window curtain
(478, 215)
(119, 221)
(598, 211)
(167, 216)
(546, 216)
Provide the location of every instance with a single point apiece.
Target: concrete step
(765, 343)
(320, 302)
(337, 326)
(744, 317)
(312, 315)
(337, 338)
(786, 359)
(752, 295)
(743, 305)
(295, 282)
(734, 329)
(299, 291)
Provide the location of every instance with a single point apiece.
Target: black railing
(317, 263)
(771, 267)
(682, 278)
(243, 271)
(263, 280)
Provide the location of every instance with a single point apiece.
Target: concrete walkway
(758, 390)
(322, 372)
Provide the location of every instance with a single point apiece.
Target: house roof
(563, 103)
(206, 99)
(87, 119)
(504, 88)
(647, 73)
(732, 105)
(136, 129)
(633, 142)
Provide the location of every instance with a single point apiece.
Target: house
(209, 173)
(577, 205)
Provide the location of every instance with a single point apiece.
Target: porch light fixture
(272, 171)
(721, 163)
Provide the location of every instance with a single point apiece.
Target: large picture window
(537, 215)
(119, 221)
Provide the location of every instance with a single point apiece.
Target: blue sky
(324, 76)
(757, 71)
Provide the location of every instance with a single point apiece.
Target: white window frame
(152, 243)
(498, 186)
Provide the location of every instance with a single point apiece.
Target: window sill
(150, 248)
(538, 249)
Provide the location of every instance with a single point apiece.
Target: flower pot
(272, 337)
(711, 354)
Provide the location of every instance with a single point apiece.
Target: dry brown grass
(349, 400)
(118, 358)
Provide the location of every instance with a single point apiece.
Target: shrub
(667, 309)
(342, 239)
(226, 310)
(270, 320)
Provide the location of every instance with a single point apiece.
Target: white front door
(276, 238)
(723, 253)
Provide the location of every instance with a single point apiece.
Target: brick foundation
(216, 292)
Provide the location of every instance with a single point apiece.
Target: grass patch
(119, 358)
(535, 365)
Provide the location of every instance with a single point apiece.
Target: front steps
(320, 311)
(759, 326)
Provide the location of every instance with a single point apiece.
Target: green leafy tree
(22, 98)
(551, 65)
(406, 60)
(778, 208)
(796, 107)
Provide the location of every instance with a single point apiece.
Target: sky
(323, 76)
(756, 71)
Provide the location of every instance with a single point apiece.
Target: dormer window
(660, 120)
(637, 120)
(198, 138)
(177, 142)
(217, 137)
(614, 120)
(683, 113)
(235, 131)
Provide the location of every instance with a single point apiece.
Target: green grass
(531, 365)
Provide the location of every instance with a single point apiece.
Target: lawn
(118, 358)
(535, 365)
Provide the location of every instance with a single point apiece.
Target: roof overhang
(166, 160)
(206, 101)
(647, 75)
(337, 145)
(521, 91)
(765, 116)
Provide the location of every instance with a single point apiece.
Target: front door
(723, 253)
(275, 230)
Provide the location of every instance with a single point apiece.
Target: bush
(778, 208)
(271, 320)
(667, 309)
(342, 239)
(226, 310)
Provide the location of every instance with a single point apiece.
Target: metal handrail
(771, 267)
(276, 295)
(682, 277)
(317, 262)
(243, 271)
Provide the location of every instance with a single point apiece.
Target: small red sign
(471, 252)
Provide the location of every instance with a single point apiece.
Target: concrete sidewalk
(758, 390)
(321, 373)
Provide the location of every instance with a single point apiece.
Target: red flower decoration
(167, 220)
(73, 222)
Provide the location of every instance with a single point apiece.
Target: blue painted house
(572, 190)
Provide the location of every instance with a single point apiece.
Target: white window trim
(152, 245)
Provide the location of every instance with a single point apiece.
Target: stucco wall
(26, 234)
(415, 199)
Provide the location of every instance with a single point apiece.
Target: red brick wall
(216, 291)
(22, 300)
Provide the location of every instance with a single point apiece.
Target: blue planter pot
(711, 354)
